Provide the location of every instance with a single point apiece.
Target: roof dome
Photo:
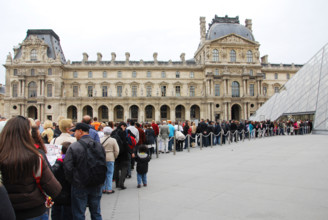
(222, 26)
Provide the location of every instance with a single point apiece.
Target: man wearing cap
(112, 150)
(75, 166)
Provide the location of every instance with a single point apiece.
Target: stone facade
(226, 79)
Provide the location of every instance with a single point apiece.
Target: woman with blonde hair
(19, 164)
(48, 134)
(65, 126)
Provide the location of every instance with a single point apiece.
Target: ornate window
(215, 55)
(148, 91)
(15, 90)
(90, 91)
(75, 91)
(249, 56)
(49, 72)
(119, 91)
(49, 90)
(119, 74)
(192, 75)
(217, 90)
(178, 111)
(251, 72)
(134, 91)
(276, 76)
(276, 89)
(177, 74)
(164, 111)
(163, 74)
(163, 91)
(216, 72)
(15, 72)
(148, 74)
(32, 88)
(177, 91)
(90, 74)
(232, 56)
(235, 89)
(32, 72)
(34, 56)
(134, 74)
(75, 75)
(119, 112)
(251, 89)
(264, 75)
(192, 91)
(104, 91)
(288, 76)
(104, 74)
(149, 111)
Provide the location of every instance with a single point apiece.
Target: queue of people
(32, 188)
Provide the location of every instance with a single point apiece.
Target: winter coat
(150, 136)
(64, 198)
(142, 160)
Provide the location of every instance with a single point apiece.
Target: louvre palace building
(226, 79)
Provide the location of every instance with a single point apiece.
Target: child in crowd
(142, 159)
(61, 210)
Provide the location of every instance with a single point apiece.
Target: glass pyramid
(305, 93)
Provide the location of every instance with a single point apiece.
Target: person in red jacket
(156, 131)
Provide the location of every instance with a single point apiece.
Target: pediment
(233, 39)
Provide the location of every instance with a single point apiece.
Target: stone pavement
(284, 177)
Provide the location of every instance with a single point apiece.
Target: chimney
(202, 29)
(248, 24)
(265, 59)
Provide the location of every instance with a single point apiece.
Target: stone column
(23, 88)
(157, 115)
(79, 113)
(187, 114)
(172, 114)
(245, 111)
(258, 88)
(20, 88)
(228, 87)
(226, 110)
(244, 89)
(229, 111)
(225, 87)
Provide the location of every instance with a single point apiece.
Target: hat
(107, 130)
(81, 126)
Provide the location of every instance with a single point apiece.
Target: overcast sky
(289, 31)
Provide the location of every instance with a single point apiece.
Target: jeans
(170, 143)
(109, 176)
(216, 140)
(61, 212)
(83, 196)
(44, 216)
(142, 177)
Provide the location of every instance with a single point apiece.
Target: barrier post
(201, 141)
(211, 136)
(174, 145)
(221, 133)
(189, 143)
(229, 136)
(157, 147)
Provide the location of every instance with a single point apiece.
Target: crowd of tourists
(94, 155)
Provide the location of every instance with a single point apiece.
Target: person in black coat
(150, 139)
(217, 130)
(142, 159)
(62, 209)
(122, 161)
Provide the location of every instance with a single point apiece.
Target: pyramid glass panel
(305, 93)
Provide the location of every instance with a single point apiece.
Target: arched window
(215, 55)
(232, 56)
(235, 89)
(249, 56)
(33, 55)
(32, 88)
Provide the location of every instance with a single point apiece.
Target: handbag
(37, 176)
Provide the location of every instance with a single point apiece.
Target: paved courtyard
(283, 177)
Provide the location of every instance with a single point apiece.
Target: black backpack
(96, 163)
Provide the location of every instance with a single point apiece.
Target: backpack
(131, 141)
(95, 174)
